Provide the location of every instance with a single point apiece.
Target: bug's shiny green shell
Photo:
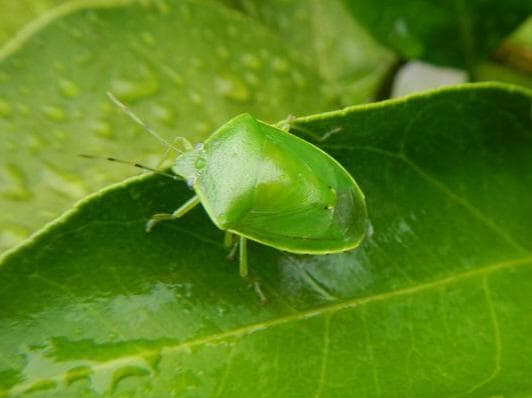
(275, 188)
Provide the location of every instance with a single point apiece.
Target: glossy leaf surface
(436, 301)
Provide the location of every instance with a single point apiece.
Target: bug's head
(190, 164)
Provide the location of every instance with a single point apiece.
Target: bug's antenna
(139, 121)
(134, 164)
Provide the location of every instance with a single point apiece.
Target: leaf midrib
(330, 309)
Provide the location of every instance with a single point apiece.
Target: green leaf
(436, 301)
(456, 33)
(349, 61)
(185, 67)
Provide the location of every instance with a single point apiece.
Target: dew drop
(135, 89)
(162, 7)
(76, 374)
(222, 52)
(164, 114)
(208, 33)
(5, 108)
(35, 144)
(23, 109)
(4, 77)
(127, 372)
(173, 75)
(147, 38)
(66, 184)
(233, 89)
(251, 79)
(106, 107)
(54, 113)
(185, 10)
(16, 63)
(16, 184)
(232, 31)
(251, 61)
(196, 63)
(195, 98)
(202, 128)
(152, 359)
(40, 386)
(84, 58)
(68, 88)
(59, 135)
(76, 32)
(59, 66)
(92, 16)
(298, 78)
(280, 65)
(12, 235)
(101, 129)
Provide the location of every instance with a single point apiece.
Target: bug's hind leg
(243, 245)
(184, 209)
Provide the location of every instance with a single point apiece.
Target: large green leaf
(458, 33)
(436, 301)
(185, 66)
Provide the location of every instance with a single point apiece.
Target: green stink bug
(262, 183)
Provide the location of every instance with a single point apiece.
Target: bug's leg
(285, 124)
(184, 209)
(243, 257)
(232, 252)
(304, 131)
(228, 239)
(330, 133)
(231, 244)
(258, 290)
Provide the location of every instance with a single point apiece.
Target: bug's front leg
(241, 244)
(184, 209)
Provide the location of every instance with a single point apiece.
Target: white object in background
(418, 76)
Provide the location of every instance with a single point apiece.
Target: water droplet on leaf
(15, 183)
(233, 88)
(5, 108)
(280, 65)
(134, 89)
(68, 88)
(222, 52)
(147, 38)
(251, 61)
(102, 129)
(54, 113)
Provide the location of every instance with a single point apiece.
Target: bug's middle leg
(184, 209)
